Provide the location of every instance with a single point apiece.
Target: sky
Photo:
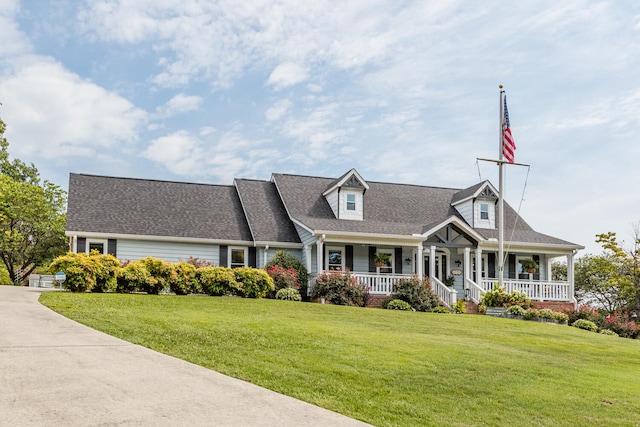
(402, 91)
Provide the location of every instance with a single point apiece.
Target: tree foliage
(612, 279)
(32, 216)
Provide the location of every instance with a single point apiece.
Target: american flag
(508, 144)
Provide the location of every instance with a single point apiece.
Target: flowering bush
(499, 297)
(287, 260)
(340, 288)
(288, 294)
(586, 325)
(283, 277)
(516, 310)
(398, 304)
(585, 312)
(620, 324)
(416, 292)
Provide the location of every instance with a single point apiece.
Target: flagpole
(500, 195)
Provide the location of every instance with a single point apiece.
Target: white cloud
(278, 110)
(287, 74)
(179, 104)
(57, 113)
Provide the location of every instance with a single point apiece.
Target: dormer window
(484, 211)
(351, 202)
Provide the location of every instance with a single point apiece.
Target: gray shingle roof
(155, 208)
(266, 215)
(399, 209)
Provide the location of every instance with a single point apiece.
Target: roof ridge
(149, 180)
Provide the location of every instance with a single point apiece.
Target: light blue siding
(131, 250)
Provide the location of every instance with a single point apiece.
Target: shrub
(585, 312)
(440, 309)
(79, 269)
(560, 317)
(283, 277)
(198, 263)
(339, 288)
(460, 307)
(531, 314)
(398, 304)
(161, 274)
(608, 332)
(416, 292)
(498, 297)
(587, 325)
(107, 269)
(288, 294)
(516, 310)
(545, 313)
(185, 279)
(620, 324)
(254, 283)
(133, 277)
(217, 281)
(286, 260)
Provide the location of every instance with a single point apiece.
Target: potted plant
(449, 281)
(529, 265)
(381, 259)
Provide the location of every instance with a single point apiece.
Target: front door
(441, 266)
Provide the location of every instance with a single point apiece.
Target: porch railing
(379, 284)
(447, 295)
(535, 290)
(474, 291)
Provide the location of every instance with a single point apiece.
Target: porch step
(471, 308)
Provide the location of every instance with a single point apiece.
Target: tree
(32, 216)
(628, 260)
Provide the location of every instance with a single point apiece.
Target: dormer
(477, 205)
(346, 196)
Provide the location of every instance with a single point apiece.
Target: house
(448, 235)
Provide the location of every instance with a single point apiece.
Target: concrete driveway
(56, 372)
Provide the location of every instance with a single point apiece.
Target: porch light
(408, 261)
(458, 262)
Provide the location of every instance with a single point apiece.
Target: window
(388, 265)
(96, 245)
(351, 202)
(334, 259)
(484, 211)
(238, 257)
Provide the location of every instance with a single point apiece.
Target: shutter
(512, 266)
(372, 257)
(252, 257)
(536, 274)
(348, 257)
(491, 266)
(398, 260)
(112, 245)
(81, 245)
(223, 256)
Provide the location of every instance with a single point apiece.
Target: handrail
(475, 291)
(447, 295)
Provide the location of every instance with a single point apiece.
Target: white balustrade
(535, 290)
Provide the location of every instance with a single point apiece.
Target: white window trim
(391, 254)
(231, 249)
(104, 243)
(347, 201)
(335, 248)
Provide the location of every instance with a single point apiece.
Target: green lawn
(386, 367)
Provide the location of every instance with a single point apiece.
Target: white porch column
(432, 262)
(479, 266)
(319, 255)
(265, 253)
(307, 257)
(420, 261)
(570, 276)
(467, 266)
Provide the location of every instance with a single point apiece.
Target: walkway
(56, 372)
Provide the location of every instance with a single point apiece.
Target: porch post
(570, 276)
(479, 266)
(319, 256)
(432, 262)
(420, 262)
(307, 257)
(467, 266)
